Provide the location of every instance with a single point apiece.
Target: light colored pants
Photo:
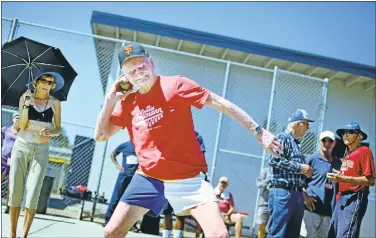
(28, 164)
(315, 225)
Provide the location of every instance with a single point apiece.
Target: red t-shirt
(225, 202)
(161, 127)
(356, 164)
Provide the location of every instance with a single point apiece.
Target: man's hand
(334, 177)
(309, 201)
(270, 143)
(118, 88)
(120, 168)
(306, 170)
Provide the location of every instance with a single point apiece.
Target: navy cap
(130, 50)
(351, 126)
(300, 115)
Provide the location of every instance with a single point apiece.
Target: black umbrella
(22, 59)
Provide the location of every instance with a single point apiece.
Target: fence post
(216, 144)
(13, 29)
(323, 110)
(272, 93)
(99, 182)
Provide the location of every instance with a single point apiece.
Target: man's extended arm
(265, 138)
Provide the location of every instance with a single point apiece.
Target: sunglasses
(223, 182)
(327, 140)
(44, 81)
(349, 132)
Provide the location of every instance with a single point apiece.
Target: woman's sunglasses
(44, 81)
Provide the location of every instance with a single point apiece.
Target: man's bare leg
(179, 224)
(122, 220)
(198, 230)
(212, 225)
(179, 227)
(167, 226)
(262, 232)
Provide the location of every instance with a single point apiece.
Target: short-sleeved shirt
(161, 127)
(319, 186)
(8, 138)
(130, 161)
(225, 200)
(357, 163)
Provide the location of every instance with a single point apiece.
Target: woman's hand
(45, 132)
(27, 97)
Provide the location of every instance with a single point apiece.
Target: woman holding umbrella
(39, 120)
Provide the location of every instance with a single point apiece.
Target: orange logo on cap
(128, 49)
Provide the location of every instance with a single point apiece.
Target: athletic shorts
(184, 194)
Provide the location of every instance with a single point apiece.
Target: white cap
(224, 179)
(327, 134)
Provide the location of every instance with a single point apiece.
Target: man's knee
(110, 231)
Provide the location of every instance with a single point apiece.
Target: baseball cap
(328, 134)
(130, 50)
(223, 179)
(299, 115)
(15, 114)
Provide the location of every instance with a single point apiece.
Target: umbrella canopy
(22, 60)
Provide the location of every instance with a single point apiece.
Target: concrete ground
(54, 226)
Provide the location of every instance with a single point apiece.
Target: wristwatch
(257, 131)
(25, 107)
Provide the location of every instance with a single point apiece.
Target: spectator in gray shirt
(262, 211)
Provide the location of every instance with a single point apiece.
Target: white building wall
(351, 104)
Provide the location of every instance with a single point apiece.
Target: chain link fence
(300, 92)
(70, 158)
(6, 26)
(270, 97)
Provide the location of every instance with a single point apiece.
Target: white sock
(178, 234)
(166, 233)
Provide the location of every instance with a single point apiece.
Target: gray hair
(294, 124)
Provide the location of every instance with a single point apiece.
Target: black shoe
(6, 210)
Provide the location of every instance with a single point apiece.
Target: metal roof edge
(232, 43)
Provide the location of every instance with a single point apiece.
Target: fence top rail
(145, 45)
(7, 19)
(303, 75)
